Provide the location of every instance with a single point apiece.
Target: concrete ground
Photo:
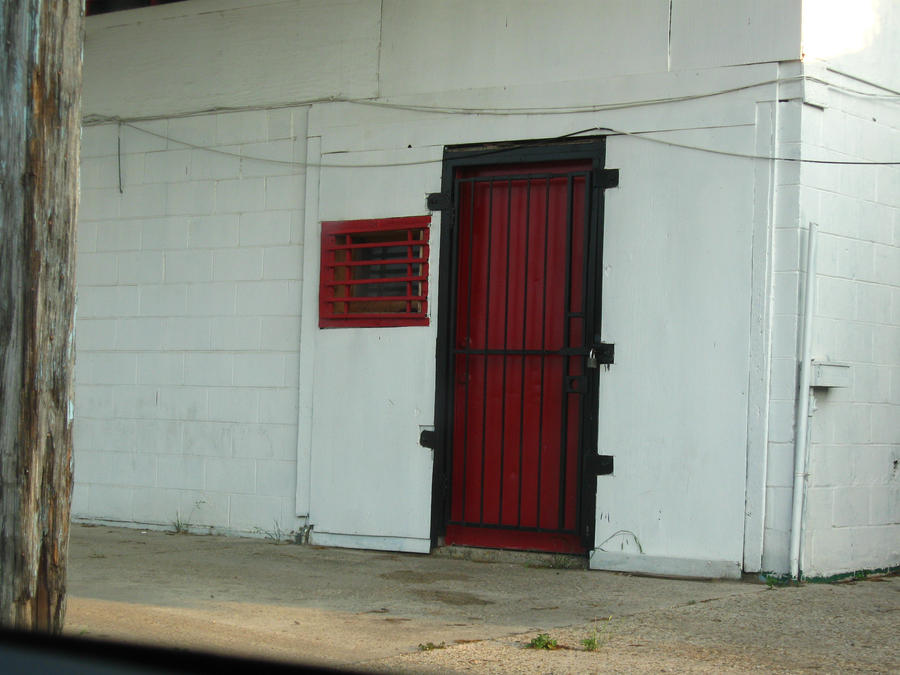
(376, 611)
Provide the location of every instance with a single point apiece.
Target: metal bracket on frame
(608, 178)
(605, 353)
(428, 439)
(599, 465)
(439, 201)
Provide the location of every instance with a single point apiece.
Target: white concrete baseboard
(401, 544)
(663, 566)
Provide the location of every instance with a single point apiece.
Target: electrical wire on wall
(133, 123)
(91, 120)
(605, 131)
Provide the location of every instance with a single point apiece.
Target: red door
(518, 356)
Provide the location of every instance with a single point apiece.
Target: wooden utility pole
(40, 131)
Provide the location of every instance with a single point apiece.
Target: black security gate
(520, 346)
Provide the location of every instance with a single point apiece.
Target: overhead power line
(92, 120)
(606, 131)
(646, 135)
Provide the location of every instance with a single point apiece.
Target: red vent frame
(359, 272)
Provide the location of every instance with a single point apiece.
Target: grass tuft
(543, 641)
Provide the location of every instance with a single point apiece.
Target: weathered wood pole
(40, 130)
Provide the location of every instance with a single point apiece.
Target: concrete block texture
(278, 406)
(239, 264)
(275, 478)
(97, 269)
(167, 166)
(234, 476)
(855, 431)
(851, 506)
(190, 197)
(282, 262)
(236, 333)
(187, 333)
(266, 441)
(118, 236)
(265, 228)
(213, 231)
(269, 298)
(241, 127)
(280, 333)
(160, 368)
(208, 369)
(877, 465)
(178, 396)
(143, 137)
(99, 203)
(159, 437)
(108, 301)
(259, 514)
(141, 267)
(270, 158)
(169, 300)
(207, 438)
(197, 129)
(143, 201)
(188, 266)
(240, 195)
(214, 166)
(86, 237)
(162, 233)
(212, 299)
(259, 370)
(230, 404)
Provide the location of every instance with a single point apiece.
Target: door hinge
(599, 465)
(439, 201)
(607, 178)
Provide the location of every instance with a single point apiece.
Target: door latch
(602, 353)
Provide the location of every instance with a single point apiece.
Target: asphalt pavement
(384, 611)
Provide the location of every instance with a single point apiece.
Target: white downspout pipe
(801, 429)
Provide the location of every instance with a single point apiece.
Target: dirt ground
(375, 611)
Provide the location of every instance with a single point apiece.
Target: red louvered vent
(374, 273)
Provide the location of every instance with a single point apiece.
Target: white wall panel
(468, 44)
(681, 351)
(370, 476)
(683, 327)
(203, 54)
(711, 33)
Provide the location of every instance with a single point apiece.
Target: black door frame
(548, 150)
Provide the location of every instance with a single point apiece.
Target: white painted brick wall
(192, 397)
(188, 323)
(851, 515)
(213, 231)
(238, 264)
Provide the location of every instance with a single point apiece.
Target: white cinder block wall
(189, 279)
(851, 513)
(189, 264)
(853, 496)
